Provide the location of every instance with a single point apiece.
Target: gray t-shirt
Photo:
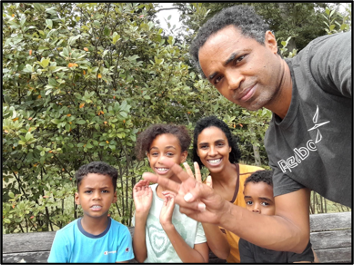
(158, 245)
(311, 146)
(250, 253)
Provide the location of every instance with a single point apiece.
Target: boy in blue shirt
(258, 195)
(95, 237)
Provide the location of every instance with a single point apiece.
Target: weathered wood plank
(330, 221)
(331, 239)
(336, 255)
(29, 257)
(27, 242)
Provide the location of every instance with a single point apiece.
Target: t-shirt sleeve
(59, 253)
(125, 249)
(306, 255)
(246, 254)
(331, 63)
(283, 184)
(200, 235)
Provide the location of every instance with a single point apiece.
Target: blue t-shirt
(73, 244)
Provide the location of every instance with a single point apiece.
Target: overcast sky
(163, 15)
(174, 20)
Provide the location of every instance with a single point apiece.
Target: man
(309, 138)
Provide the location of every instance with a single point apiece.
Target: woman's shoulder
(248, 169)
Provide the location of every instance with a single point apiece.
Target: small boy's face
(259, 198)
(95, 195)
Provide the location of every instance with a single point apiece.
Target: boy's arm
(307, 256)
(217, 241)
(246, 255)
(316, 260)
(59, 253)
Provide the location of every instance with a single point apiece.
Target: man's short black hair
(242, 17)
(101, 168)
(261, 176)
(213, 121)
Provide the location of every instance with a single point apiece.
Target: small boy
(95, 237)
(258, 195)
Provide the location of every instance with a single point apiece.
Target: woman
(215, 148)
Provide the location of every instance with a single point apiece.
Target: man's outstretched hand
(196, 200)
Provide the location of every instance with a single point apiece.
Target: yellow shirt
(244, 172)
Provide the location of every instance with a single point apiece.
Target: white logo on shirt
(302, 153)
(107, 252)
(316, 126)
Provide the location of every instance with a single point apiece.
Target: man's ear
(77, 198)
(270, 41)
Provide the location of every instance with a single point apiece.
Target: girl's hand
(167, 210)
(142, 195)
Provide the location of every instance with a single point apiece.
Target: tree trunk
(257, 157)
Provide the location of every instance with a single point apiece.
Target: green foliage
(78, 88)
(80, 81)
(336, 22)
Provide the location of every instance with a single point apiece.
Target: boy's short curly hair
(261, 176)
(147, 137)
(101, 168)
(213, 121)
(242, 17)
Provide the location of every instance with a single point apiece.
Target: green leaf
(23, 21)
(107, 32)
(28, 136)
(11, 194)
(44, 62)
(81, 122)
(49, 23)
(115, 37)
(73, 39)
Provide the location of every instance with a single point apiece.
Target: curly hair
(213, 121)
(242, 17)
(147, 137)
(101, 168)
(261, 176)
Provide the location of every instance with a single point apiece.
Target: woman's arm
(217, 241)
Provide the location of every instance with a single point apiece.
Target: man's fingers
(171, 185)
(177, 170)
(188, 169)
(209, 181)
(198, 176)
